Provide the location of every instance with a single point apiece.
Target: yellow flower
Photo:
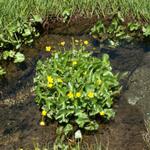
(48, 48)
(90, 94)
(62, 43)
(44, 113)
(70, 95)
(42, 123)
(50, 85)
(99, 82)
(59, 80)
(50, 79)
(86, 42)
(78, 94)
(74, 62)
(102, 113)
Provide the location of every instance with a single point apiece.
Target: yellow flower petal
(42, 123)
(70, 95)
(74, 62)
(102, 113)
(62, 43)
(44, 113)
(48, 48)
(50, 85)
(90, 94)
(50, 79)
(78, 94)
(86, 42)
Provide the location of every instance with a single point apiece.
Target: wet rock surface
(139, 85)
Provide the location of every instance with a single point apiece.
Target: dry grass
(146, 135)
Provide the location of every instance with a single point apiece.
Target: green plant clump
(2, 71)
(74, 86)
(117, 30)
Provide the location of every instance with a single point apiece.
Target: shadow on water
(19, 123)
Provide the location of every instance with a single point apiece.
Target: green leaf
(29, 41)
(113, 27)
(93, 125)
(109, 102)
(7, 54)
(133, 26)
(67, 129)
(110, 113)
(19, 57)
(37, 18)
(27, 32)
(98, 28)
(120, 17)
(82, 118)
(62, 115)
(2, 71)
(18, 46)
(95, 109)
(59, 130)
(146, 30)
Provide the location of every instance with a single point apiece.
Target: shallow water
(19, 127)
(125, 58)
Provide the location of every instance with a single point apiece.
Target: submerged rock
(139, 85)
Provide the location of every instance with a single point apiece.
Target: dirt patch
(125, 131)
(20, 128)
(76, 25)
(80, 24)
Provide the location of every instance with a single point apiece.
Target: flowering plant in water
(73, 87)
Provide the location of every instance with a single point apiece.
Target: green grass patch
(17, 17)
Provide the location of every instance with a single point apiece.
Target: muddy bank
(125, 131)
(75, 25)
(20, 128)
(20, 122)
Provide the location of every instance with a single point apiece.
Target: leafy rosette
(73, 87)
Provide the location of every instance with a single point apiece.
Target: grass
(20, 11)
(146, 135)
(82, 146)
(11, 10)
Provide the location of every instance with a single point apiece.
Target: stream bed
(20, 116)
